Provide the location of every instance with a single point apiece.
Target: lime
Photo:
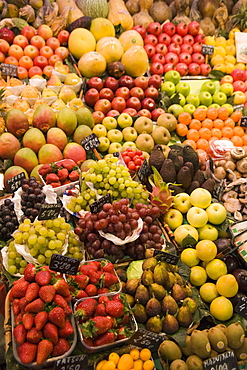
(227, 285)
(206, 250)
(198, 275)
(208, 292)
(189, 257)
(221, 308)
(216, 268)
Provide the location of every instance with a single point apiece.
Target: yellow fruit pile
(135, 360)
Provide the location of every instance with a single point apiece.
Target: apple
(169, 28)
(109, 122)
(182, 69)
(106, 93)
(182, 29)
(96, 83)
(37, 41)
(15, 51)
(226, 88)
(193, 99)
(115, 136)
(152, 92)
(239, 97)
(177, 39)
(131, 111)
(148, 103)
(126, 81)
(238, 74)
(31, 51)
(111, 83)
(194, 28)
(181, 202)
(209, 86)
(4, 46)
(175, 109)
(22, 73)
(174, 48)
(91, 97)
(205, 98)
(35, 70)
(198, 58)
(11, 60)
(156, 113)
(45, 31)
(145, 113)
(158, 58)
(28, 32)
(239, 86)
(194, 69)
(186, 48)
(227, 78)
(63, 37)
(189, 108)
(172, 76)
(104, 144)
(214, 105)
(184, 231)
(200, 198)
(173, 218)
(53, 43)
(25, 62)
(182, 100)
(197, 47)
(123, 91)
(21, 40)
(155, 81)
(208, 232)
(197, 217)
(137, 92)
(143, 124)
(171, 58)
(216, 213)
(188, 39)
(114, 147)
(98, 116)
(154, 28)
(183, 88)
(104, 105)
(133, 102)
(118, 103)
(124, 120)
(151, 40)
(2, 57)
(129, 134)
(156, 68)
(150, 50)
(141, 30)
(219, 98)
(112, 113)
(40, 61)
(205, 69)
(46, 51)
(62, 52)
(141, 82)
(99, 130)
(161, 49)
(229, 107)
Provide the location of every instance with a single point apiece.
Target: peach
(26, 158)
(9, 145)
(49, 153)
(76, 152)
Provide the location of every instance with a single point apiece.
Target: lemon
(220, 41)
(135, 354)
(217, 59)
(220, 67)
(219, 50)
(230, 59)
(145, 354)
(216, 268)
(227, 285)
(198, 275)
(208, 292)
(114, 357)
(240, 66)
(210, 40)
(189, 257)
(230, 50)
(102, 27)
(221, 308)
(232, 33)
(206, 250)
(229, 68)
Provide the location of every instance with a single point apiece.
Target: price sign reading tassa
(48, 211)
(72, 363)
(224, 361)
(64, 264)
(14, 182)
(90, 142)
(207, 49)
(97, 206)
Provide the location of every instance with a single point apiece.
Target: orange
(244, 138)
(213, 138)
(195, 124)
(193, 135)
(184, 118)
(202, 144)
(216, 132)
(208, 123)
(200, 114)
(191, 143)
(227, 132)
(181, 129)
(236, 116)
(218, 123)
(212, 113)
(229, 123)
(225, 138)
(223, 113)
(205, 133)
(239, 131)
(237, 140)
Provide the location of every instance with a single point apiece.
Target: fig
(241, 277)
(222, 244)
(231, 262)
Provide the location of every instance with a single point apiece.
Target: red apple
(40, 61)
(198, 58)
(152, 92)
(113, 113)
(188, 39)
(111, 83)
(205, 69)
(226, 79)
(22, 73)
(126, 81)
(171, 58)
(142, 82)
(151, 39)
(35, 70)
(156, 68)
(238, 74)
(48, 71)
(182, 29)
(194, 69)
(239, 86)
(182, 68)
(177, 39)
(15, 51)
(161, 49)
(185, 58)
(63, 37)
(28, 31)
(137, 92)
(46, 51)
(7, 35)
(174, 48)
(150, 50)
(186, 48)
(145, 113)
(164, 38)
(98, 116)
(141, 30)
(62, 52)
(154, 28)
(31, 51)
(11, 60)
(104, 105)
(37, 41)
(106, 93)
(54, 59)
(53, 42)
(148, 103)
(158, 58)
(156, 113)
(45, 31)
(197, 47)
(194, 28)
(91, 97)
(119, 104)
(169, 28)
(25, 62)
(131, 111)
(96, 83)
(155, 81)
(200, 38)
(168, 67)
(133, 102)
(124, 92)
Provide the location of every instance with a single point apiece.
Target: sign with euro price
(243, 122)
(224, 361)
(207, 49)
(241, 307)
(96, 206)
(14, 183)
(90, 143)
(8, 70)
(143, 172)
(167, 257)
(72, 363)
(64, 264)
(49, 211)
(146, 339)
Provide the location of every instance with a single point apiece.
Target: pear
(66, 94)
(72, 79)
(54, 81)
(47, 93)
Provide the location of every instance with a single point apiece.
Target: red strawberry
(32, 292)
(107, 267)
(105, 339)
(74, 175)
(15, 306)
(102, 291)
(20, 334)
(62, 174)
(88, 341)
(67, 163)
(19, 289)
(43, 277)
(60, 301)
(29, 272)
(45, 348)
(85, 309)
(96, 326)
(34, 335)
(68, 298)
(47, 293)
(100, 310)
(27, 352)
(61, 347)
(35, 306)
(50, 331)
(124, 332)
(45, 169)
(18, 319)
(110, 279)
(40, 319)
(62, 287)
(95, 265)
(103, 299)
(28, 320)
(80, 294)
(81, 280)
(57, 317)
(66, 331)
(85, 269)
(115, 308)
(94, 276)
(22, 304)
(91, 290)
(124, 320)
(51, 177)
(55, 184)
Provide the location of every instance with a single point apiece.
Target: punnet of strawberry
(133, 158)
(59, 173)
(43, 324)
(104, 321)
(94, 278)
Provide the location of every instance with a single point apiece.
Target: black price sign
(97, 206)
(144, 171)
(15, 182)
(241, 307)
(238, 107)
(168, 257)
(243, 122)
(224, 361)
(72, 363)
(147, 339)
(48, 211)
(90, 142)
(8, 70)
(116, 154)
(207, 49)
(64, 264)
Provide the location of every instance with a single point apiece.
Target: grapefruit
(92, 64)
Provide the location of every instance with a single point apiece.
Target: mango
(84, 117)
(67, 121)
(11, 172)
(33, 139)
(66, 94)
(35, 172)
(57, 137)
(81, 132)
(49, 153)
(26, 158)
(9, 145)
(44, 117)
(76, 152)
(16, 122)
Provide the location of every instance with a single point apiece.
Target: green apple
(182, 100)
(99, 130)
(115, 136)
(172, 76)
(183, 231)
(129, 134)
(175, 109)
(229, 107)
(203, 107)
(197, 217)
(173, 218)
(193, 99)
(168, 87)
(183, 88)
(209, 86)
(214, 105)
(216, 213)
(124, 120)
(227, 88)
(109, 122)
(205, 98)
(104, 144)
(189, 108)
(128, 144)
(181, 202)
(208, 232)
(219, 98)
(200, 198)
(114, 147)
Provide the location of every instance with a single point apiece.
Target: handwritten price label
(49, 211)
(64, 264)
(146, 339)
(72, 363)
(14, 182)
(207, 49)
(90, 142)
(224, 361)
(97, 206)
(8, 70)
(168, 257)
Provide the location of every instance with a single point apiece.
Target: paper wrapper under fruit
(4, 252)
(10, 100)
(16, 90)
(117, 241)
(76, 88)
(39, 83)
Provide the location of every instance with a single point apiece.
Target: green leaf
(134, 271)
(180, 336)
(223, 33)
(215, 74)
(189, 240)
(19, 23)
(230, 100)
(118, 29)
(224, 226)
(184, 271)
(175, 99)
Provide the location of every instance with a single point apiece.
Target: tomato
(138, 162)
(132, 166)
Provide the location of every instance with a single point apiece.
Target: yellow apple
(208, 232)
(197, 217)
(200, 198)
(183, 231)
(173, 218)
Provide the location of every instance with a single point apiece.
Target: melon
(93, 8)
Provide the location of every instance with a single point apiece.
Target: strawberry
(29, 272)
(102, 291)
(45, 348)
(67, 163)
(19, 289)
(115, 308)
(62, 287)
(15, 306)
(81, 280)
(74, 176)
(88, 342)
(57, 317)
(100, 310)
(91, 290)
(110, 279)
(51, 177)
(124, 320)
(27, 352)
(22, 304)
(124, 332)
(50, 331)
(95, 265)
(18, 319)
(96, 326)
(35, 306)
(34, 335)
(43, 277)
(66, 331)
(28, 320)
(47, 293)
(80, 294)
(105, 339)
(103, 299)
(85, 269)
(20, 334)
(68, 298)
(85, 309)
(60, 301)
(62, 174)
(94, 276)
(55, 184)
(40, 319)
(107, 267)
(61, 347)
(45, 169)
(32, 292)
